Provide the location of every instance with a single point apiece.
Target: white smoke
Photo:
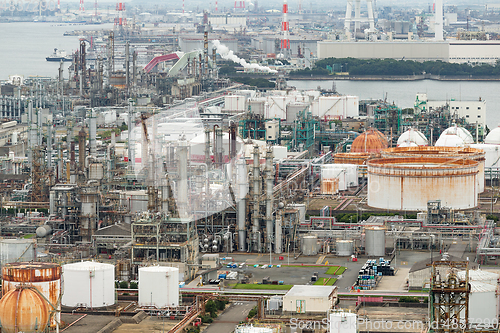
(228, 54)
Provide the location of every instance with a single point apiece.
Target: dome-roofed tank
(450, 140)
(493, 137)
(459, 131)
(371, 141)
(23, 310)
(412, 138)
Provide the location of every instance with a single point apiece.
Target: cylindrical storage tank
(12, 250)
(309, 245)
(158, 286)
(46, 277)
(375, 241)
(329, 186)
(483, 302)
(409, 183)
(23, 310)
(469, 153)
(481, 276)
(88, 283)
(353, 158)
(344, 248)
(43, 231)
(345, 322)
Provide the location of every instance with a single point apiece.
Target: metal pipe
(182, 155)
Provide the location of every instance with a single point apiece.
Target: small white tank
(88, 283)
(159, 286)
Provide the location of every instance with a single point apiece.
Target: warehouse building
(310, 299)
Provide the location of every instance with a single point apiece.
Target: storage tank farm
(88, 283)
(159, 286)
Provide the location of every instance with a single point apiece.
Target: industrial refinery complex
(168, 177)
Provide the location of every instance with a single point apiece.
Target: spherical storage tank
(371, 141)
(159, 286)
(375, 241)
(309, 245)
(412, 138)
(344, 248)
(466, 153)
(46, 277)
(88, 283)
(409, 183)
(23, 310)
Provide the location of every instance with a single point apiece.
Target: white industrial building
(460, 51)
(310, 299)
(471, 111)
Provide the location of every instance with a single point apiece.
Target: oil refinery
(169, 176)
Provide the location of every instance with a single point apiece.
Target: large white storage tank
(409, 183)
(158, 286)
(309, 245)
(483, 303)
(336, 107)
(12, 250)
(375, 241)
(88, 283)
(344, 248)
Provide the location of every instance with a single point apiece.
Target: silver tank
(309, 245)
(344, 248)
(12, 250)
(375, 241)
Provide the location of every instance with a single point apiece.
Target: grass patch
(308, 266)
(332, 270)
(264, 286)
(325, 282)
(27, 236)
(341, 270)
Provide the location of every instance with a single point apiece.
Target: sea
(25, 45)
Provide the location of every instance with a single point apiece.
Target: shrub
(252, 312)
(123, 284)
(133, 285)
(408, 299)
(206, 319)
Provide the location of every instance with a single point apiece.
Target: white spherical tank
(409, 183)
(412, 138)
(344, 248)
(88, 283)
(375, 241)
(309, 245)
(12, 250)
(461, 132)
(159, 286)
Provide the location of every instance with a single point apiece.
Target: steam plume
(228, 54)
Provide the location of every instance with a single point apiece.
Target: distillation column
(130, 140)
(242, 193)
(182, 180)
(256, 187)
(269, 199)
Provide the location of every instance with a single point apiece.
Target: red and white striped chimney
(285, 28)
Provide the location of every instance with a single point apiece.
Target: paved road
(227, 321)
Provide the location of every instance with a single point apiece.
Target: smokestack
(130, 141)
(232, 140)
(285, 28)
(438, 19)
